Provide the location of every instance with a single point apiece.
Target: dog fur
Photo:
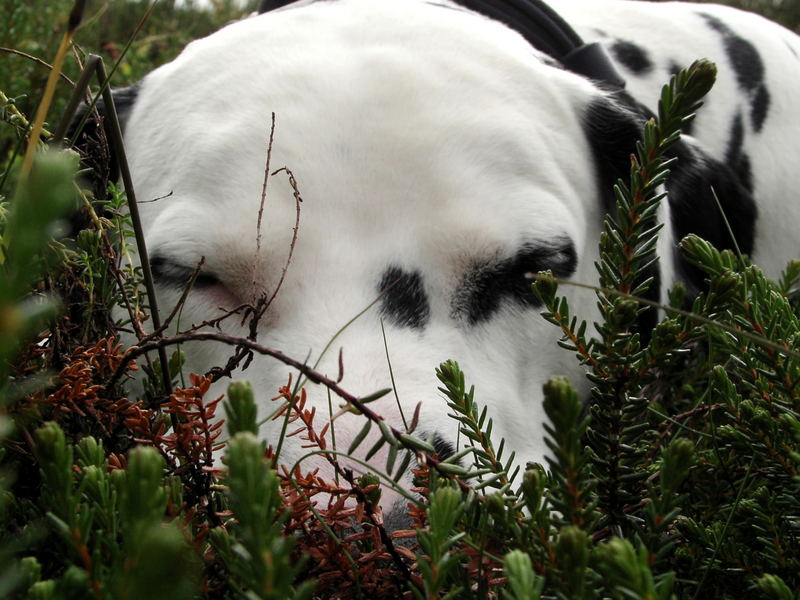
(441, 159)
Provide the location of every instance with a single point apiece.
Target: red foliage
(82, 392)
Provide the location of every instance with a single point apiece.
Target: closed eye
(172, 274)
(486, 285)
(527, 263)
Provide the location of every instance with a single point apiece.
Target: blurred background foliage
(30, 31)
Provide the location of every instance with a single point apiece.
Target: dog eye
(522, 269)
(486, 285)
(171, 274)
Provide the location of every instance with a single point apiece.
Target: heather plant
(680, 480)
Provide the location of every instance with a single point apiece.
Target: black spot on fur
(612, 132)
(748, 66)
(760, 107)
(443, 448)
(632, 57)
(745, 172)
(743, 55)
(737, 137)
(124, 99)
(694, 209)
(488, 284)
(735, 158)
(404, 301)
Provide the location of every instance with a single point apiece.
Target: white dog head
(441, 161)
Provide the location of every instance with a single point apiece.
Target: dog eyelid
(559, 256)
(172, 274)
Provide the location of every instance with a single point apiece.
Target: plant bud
(774, 587)
(624, 313)
(370, 485)
(533, 488)
(75, 583)
(496, 506)
(240, 408)
(572, 547)
(42, 590)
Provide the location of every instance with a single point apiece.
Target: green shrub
(680, 482)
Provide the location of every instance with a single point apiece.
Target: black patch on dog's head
(632, 57)
(404, 301)
(737, 160)
(444, 449)
(124, 99)
(488, 284)
(743, 55)
(82, 122)
(748, 66)
(694, 209)
(759, 107)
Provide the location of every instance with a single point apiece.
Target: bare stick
(263, 199)
(133, 208)
(38, 61)
(297, 200)
(182, 300)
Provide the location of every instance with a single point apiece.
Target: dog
(441, 159)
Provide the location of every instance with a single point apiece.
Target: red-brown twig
(311, 374)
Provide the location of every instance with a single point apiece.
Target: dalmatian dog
(441, 159)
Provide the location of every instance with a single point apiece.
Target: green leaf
(241, 413)
(524, 584)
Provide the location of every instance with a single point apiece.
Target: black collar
(544, 29)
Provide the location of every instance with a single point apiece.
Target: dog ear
(89, 134)
(708, 198)
(613, 124)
